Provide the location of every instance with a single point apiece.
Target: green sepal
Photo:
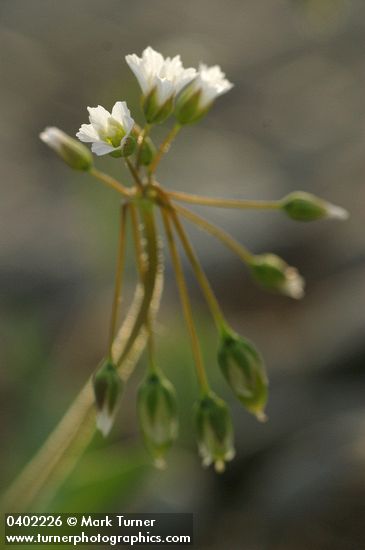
(244, 370)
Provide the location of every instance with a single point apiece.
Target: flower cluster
(170, 90)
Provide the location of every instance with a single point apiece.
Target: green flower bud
(214, 431)
(244, 370)
(273, 273)
(157, 411)
(71, 151)
(188, 109)
(107, 390)
(306, 207)
(154, 111)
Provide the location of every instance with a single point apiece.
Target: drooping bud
(306, 207)
(107, 390)
(70, 150)
(157, 411)
(244, 370)
(214, 431)
(155, 111)
(273, 273)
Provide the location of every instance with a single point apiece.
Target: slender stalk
(111, 182)
(164, 147)
(134, 173)
(200, 275)
(242, 252)
(141, 268)
(146, 209)
(118, 275)
(223, 203)
(186, 305)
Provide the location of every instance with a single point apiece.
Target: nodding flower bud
(273, 273)
(214, 431)
(157, 411)
(71, 151)
(107, 390)
(155, 111)
(244, 370)
(306, 207)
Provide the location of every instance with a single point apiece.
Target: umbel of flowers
(170, 91)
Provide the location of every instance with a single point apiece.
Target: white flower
(211, 82)
(164, 75)
(107, 131)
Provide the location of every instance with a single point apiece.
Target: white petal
(87, 133)
(98, 117)
(139, 71)
(101, 148)
(121, 114)
(164, 90)
(104, 422)
(336, 212)
(52, 136)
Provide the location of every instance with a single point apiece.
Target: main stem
(186, 305)
(146, 210)
(142, 269)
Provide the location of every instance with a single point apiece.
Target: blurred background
(294, 120)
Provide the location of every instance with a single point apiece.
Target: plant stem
(186, 305)
(146, 208)
(164, 147)
(223, 203)
(42, 476)
(111, 182)
(212, 301)
(141, 268)
(242, 252)
(118, 275)
(135, 174)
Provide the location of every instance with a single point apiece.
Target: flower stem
(242, 252)
(111, 182)
(164, 147)
(142, 268)
(212, 301)
(224, 203)
(134, 173)
(186, 305)
(146, 209)
(118, 275)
